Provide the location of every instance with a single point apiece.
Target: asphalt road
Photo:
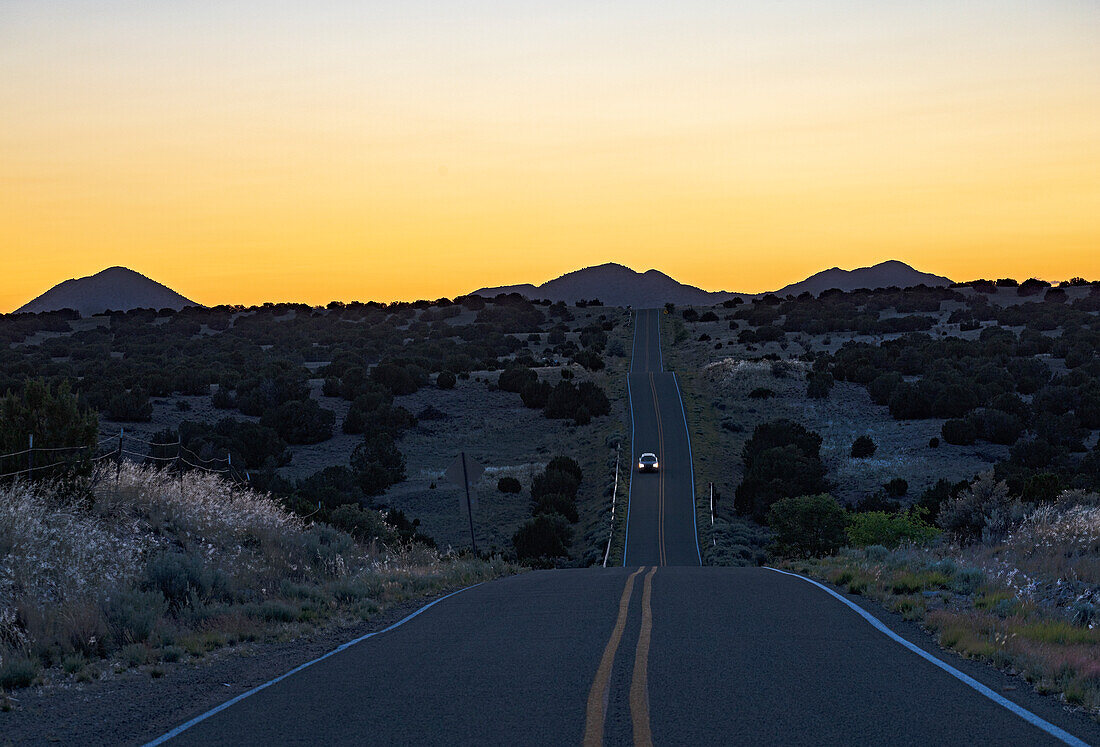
(642, 654)
(661, 509)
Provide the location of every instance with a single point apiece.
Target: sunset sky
(241, 152)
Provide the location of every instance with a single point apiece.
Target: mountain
(882, 275)
(614, 285)
(113, 289)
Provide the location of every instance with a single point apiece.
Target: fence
(174, 455)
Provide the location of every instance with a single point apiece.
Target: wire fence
(123, 447)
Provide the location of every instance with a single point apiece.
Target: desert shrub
(565, 464)
(878, 528)
(300, 421)
(509, 485)
(882, 387)
(367, 415)
(556, 503)
(223, 399)
(934, 442)
(863, 447)
(544, 536)
(908, 402)
(129, 406)
(589, 360)
(252, 445)
(446, 380)
(554, 481)
(17, 671)
(807, 525)
(133, 614)
(535, 394)
(959, 432)
(377, 463)
(399, 379)
(782, 460)
(983, 511)
(996, 426)
(329, 487)
(362, 524)
(761, 392)
(183, 577)
(516, 378)
(52, 415)
(819, 384)
(896, 487)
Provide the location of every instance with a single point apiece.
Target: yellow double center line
(596, 712)
(661, 554)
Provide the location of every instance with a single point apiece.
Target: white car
(647, 462)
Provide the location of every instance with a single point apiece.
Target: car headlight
(656, 465)
(641, 466)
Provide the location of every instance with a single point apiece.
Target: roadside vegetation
(140, 568)
(934, 449)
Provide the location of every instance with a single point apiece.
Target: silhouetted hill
(882, 275)
(615, 285)
(113, 289)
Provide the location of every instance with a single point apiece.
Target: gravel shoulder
(133, 708)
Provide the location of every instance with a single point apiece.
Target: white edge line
(691, 463)
(1026, 715)
(660, 353)
(630, 406)
(218, 709)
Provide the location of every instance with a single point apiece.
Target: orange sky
(241, 152)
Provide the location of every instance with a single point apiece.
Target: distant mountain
(614, 285)
(882, 275)
(113, 289)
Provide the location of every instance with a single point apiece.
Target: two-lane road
(644, 654)
(661, 516)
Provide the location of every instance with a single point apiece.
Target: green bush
(446, 380)
(543, 537)
(782, 460)
(363, 524)
(52, 415)
(300, 421)
(807, 525)
(17, 671)
(863, 447)
(509, 485)
(819, 384)
(887, 530)
(378, 464)
(985, 510)
(958, 432)
(557, 503)
(133, 614)
(182, 578)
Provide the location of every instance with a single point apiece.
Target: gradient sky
(249, 151)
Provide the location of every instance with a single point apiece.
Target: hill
(614, 285)
(113, 289)
(617, 285)
(882, 275)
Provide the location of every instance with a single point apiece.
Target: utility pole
(469, 505)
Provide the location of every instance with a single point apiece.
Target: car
(647, 462)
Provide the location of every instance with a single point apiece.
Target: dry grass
(141, 570)
(1027, 604)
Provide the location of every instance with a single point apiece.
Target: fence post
(30, 456)
(118, 457)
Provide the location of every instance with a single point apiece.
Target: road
(661, 508)
(658, 652)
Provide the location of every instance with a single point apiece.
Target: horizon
(363, 150)
(471, 291)
(321, 303)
